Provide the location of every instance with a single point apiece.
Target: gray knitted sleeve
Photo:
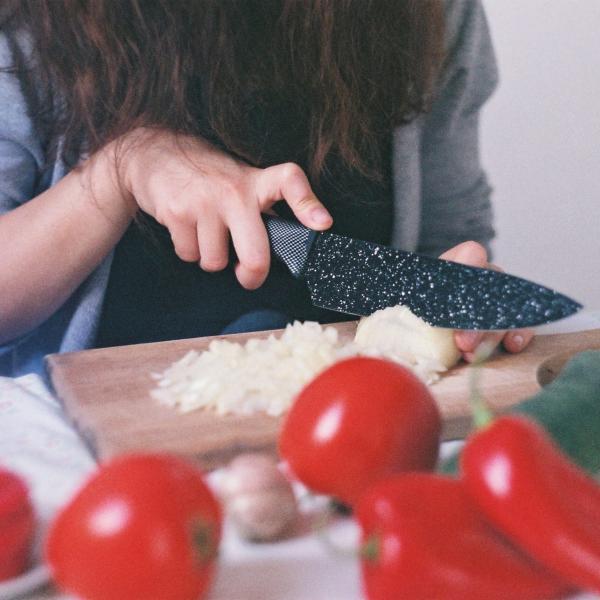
(455, 191)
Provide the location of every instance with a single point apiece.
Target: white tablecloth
(37, 441)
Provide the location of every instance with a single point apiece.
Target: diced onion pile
(264, 375)
(261, 375)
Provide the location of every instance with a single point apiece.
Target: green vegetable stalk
(569, 409)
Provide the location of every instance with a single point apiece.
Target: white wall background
(541, 142)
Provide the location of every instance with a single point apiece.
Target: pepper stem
(482, 415)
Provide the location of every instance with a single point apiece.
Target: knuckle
(233, 192)
(291, 171)
(306, 202)
(177, 211)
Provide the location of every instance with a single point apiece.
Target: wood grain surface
(105, 392)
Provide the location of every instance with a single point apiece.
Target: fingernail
(320, 216)
(471, 339)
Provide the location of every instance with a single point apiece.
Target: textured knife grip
(290, 242)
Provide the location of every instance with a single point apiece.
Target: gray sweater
(441, 195)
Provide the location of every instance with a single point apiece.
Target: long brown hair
(351, 69)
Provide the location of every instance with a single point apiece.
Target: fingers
(185, 240)
(289, 182)
(468, 341)
(230, 203)
(518, 339)
(213, 240)
(474, 255)
(251, 245)
(513, 341)
(468, 347)
(210, 246)
(280, 182)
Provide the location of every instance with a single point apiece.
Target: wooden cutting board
(105, 392)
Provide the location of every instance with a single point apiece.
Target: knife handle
(290, 242)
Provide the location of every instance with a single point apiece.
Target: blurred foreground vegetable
(143, 527)
(521, 481)
(17, 525)
(358, 421)
(424, 539)
(427, 536)
(258, 497)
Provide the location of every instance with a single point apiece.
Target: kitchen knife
(357, 277)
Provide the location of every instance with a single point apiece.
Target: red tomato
(144, 526)
(17, 525)
(357, 422)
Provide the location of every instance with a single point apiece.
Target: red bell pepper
(17, 525)
(523, 483)
(423, 538)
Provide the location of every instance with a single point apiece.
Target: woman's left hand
(475, 255)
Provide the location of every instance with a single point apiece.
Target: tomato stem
(371, 548)
(203, 535)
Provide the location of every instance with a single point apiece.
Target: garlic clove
(258, 497)
(263, 516)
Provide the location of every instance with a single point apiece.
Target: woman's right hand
(203, 196)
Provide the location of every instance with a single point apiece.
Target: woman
(141, 140)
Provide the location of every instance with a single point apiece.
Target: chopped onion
(260, 375)
(265, 375)
(398, 334)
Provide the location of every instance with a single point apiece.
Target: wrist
(102, 175)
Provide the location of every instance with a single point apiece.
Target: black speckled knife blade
(358, 278)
